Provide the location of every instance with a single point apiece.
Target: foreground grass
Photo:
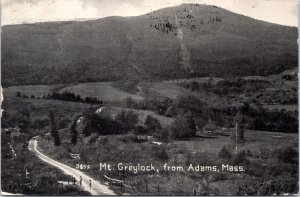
(260, 161)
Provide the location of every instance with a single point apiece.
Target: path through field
(9, 194)
(96, 189)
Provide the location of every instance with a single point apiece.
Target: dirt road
(96, 187)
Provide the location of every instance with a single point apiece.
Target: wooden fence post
(123, 188)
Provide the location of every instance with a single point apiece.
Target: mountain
(189, 40)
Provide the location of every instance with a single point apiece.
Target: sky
(284, 12)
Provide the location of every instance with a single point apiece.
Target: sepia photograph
(149, 97)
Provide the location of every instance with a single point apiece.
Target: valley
(161, 101)
(185, 85)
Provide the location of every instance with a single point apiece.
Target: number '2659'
(82, 166)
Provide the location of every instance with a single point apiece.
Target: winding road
(96, 189)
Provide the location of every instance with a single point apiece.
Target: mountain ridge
(203, 41)
(183, 4)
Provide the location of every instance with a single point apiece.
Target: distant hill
(189, 40)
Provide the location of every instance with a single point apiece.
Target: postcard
(149, 97)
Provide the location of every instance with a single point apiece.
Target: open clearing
(164, 121)
(100, 90)
(255, 140)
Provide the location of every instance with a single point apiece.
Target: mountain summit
(189, 40)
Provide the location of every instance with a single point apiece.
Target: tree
(128, 119)
(25, 121)
(73, 131)
(152, 124)
(93, 123)
(184, 126)
(245, 108)
(191, 104)
(54, 131)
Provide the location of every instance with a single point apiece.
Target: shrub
(132, 138)
(93, 139)
(240, 158)
(160, 152)
(140, 130)
(18, 94)
(164, 134)
(221, 176)
(267, 187)
(224, 153)
(204, 158)
(287, 154)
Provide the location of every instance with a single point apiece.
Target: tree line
(64, 96)
(256, 118)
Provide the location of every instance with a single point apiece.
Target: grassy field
(107, 92)
(100, 90)
(36, 90)
(173, 90)
(103, 91)
(255, 141)
(272, 92)
(162, 89)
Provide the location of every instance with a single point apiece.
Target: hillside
(189, 40)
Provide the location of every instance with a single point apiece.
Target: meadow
(101, 90)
